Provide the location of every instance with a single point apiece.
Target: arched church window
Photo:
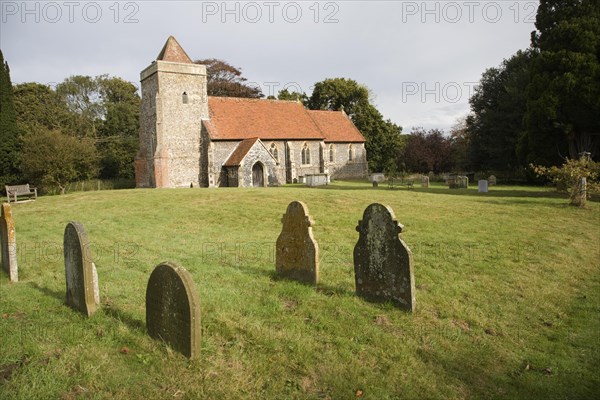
(350, 153)
(274, 151)
(184, 97)
(331, 155)
(305, 154)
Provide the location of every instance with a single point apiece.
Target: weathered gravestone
(383, 264)
(173, 309)
(8, 239)
(297, 251)
(80, 272)
(424, 181)
(463, 182)
(492, 180)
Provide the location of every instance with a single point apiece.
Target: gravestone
(383, 264)
(173, 309)
(463, 182)
(8, 240)
(80, 272)
(424, 181)
(482, 186)
(297, 251)
(492, 180)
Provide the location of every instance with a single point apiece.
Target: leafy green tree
(382, 136)
(118, 140)
(9, 132)
(51, 158)
(296, 96)
(498, 105)
(562, 98)
(83, 98)
(225, 80)
(38, 106)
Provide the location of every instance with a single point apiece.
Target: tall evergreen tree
(563, 96)
(9, 133)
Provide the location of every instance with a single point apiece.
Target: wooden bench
(393, 183)
(20, 190)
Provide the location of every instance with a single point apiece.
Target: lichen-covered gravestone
(424, 181)
(80, 272)
(173, 309)
(383, 263)
(8, 239)
(492, 180)
(297, 251)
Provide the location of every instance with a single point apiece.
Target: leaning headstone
(173, 309)
(492, 180)
(8, 239)
(383, 264)
(297, 254)
(482, 186)
(424, 181)
(80, 272)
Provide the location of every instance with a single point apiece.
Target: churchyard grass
(507, 300)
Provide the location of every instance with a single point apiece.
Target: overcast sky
(421, 59)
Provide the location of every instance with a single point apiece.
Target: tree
(460, 144)
(51, 158)
(9, 133)
(38, 106)
(225, 80)
(497, 109)
(382, 136)
(428, 151)
(296, 96)
(562, 97)
(117, 140)
(83, 98)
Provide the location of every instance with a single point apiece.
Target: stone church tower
(174, 102)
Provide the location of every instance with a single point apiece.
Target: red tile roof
(241, 118)
(173, 52)
(336, 126)
(236, 118)
(240, 152)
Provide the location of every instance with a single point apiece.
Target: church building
(188, 138)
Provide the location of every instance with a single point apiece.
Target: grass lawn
(508, 298)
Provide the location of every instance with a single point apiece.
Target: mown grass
(508, 298)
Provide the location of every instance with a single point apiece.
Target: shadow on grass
(113, 312)
(61, 296)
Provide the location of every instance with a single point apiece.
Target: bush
(568, 178)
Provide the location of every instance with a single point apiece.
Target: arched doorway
(258, 176)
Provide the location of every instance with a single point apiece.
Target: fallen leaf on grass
(359, 393)
(124, 350)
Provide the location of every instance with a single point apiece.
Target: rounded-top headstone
(297, 251)
(79, 270)
(173, 309)
(383, 264)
